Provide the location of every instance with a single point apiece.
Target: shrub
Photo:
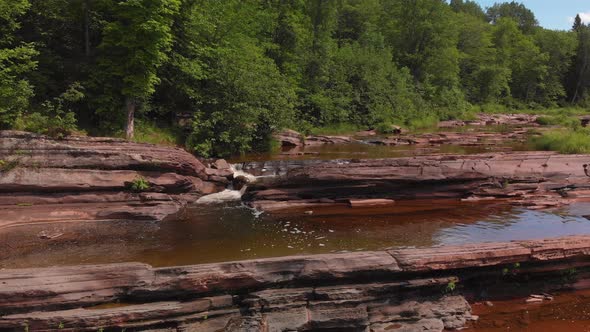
(7, 166)
(335, 129)
(559, 120)
(55, 118)
(140, 184)
(152, 132)
(564, 141)
(386, 128)
(429, 121)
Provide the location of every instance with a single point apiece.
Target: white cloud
(584, 16)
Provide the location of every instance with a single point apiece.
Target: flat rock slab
(91, 178)
(356, 203)
(334, 291)
(531, 179)
(448, 258)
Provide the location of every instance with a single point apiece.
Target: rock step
(91, 178)
(531, 179)
(62, 288)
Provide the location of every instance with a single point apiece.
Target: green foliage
(564, 141)
(511, 270)
(135, 42)
(241, 69)
(244, 97)
(140, 184)
(430, 121)
(451, 286)
(16, 61)
(55, 118)
(569, 276)
(385, 128)
(335, 129)
(561, 120)
(151, 132)
(516, 11)
(8, 165)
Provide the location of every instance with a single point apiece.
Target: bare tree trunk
(86, 29)
(581, 75)
(129, 130)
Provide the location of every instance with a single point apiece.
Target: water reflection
(227, 232)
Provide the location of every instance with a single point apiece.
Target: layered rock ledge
(402, 290)
(533, 179)
(91, 178)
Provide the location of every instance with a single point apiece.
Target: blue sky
(553, 14)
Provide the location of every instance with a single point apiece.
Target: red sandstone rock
(356, 203)
(90, 178)
(399, 289)
(321, 139)
(535, 179)
(446, 258)
(289, 138)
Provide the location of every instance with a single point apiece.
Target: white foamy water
(238, 172)
(228, 195)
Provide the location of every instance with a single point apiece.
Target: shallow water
(370, 151)
(568, 312)
(230, 231)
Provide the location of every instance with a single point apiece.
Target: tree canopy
(228, 73)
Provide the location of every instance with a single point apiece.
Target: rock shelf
(407, 289)
(89, 178)
(533, 179)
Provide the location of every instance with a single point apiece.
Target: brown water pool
(569, 312)
(227, 232)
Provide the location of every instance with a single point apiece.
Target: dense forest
(222, 75)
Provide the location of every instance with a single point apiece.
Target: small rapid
(232, 194)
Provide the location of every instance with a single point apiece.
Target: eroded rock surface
(401, 290)
(532, 179)
(91, 178)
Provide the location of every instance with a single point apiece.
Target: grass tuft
(564, 141)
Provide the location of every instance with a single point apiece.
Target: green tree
(468, 7)
(424, 38)
(560, 46)
(519, 53)
(16, 63)
(579, 78)
(523, 16)
(220, 73)
(483, 78)
(135, 43)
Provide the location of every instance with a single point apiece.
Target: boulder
(220, 164)
(289, 138)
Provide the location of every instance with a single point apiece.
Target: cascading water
(230, 194)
